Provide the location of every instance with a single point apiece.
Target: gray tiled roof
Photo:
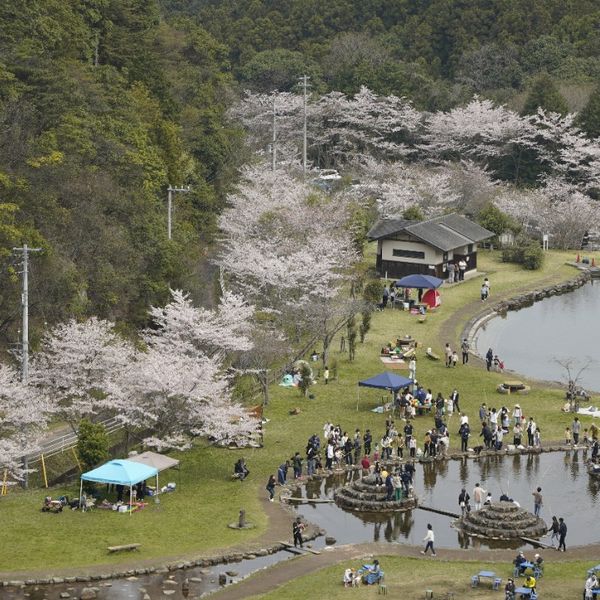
(446, 232)
(385, 227)
(463, 226)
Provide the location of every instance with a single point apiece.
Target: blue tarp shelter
(120, 472)
(384, 381)
(424, 282)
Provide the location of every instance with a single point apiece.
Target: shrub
(373, 291)
(533, 257)
(526, 252)
(92, 444)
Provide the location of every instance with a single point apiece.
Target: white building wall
(432, 255)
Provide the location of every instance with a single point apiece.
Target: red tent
(432, 298)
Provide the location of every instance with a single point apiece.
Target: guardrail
(69, 440)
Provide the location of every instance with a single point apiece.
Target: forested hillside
(104, 103)
(434, 51)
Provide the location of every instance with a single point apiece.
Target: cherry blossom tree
(177, 388)
(24, 413)
(428, 188)
(364, 125)
(478, 130)
(557, 209)
(76, 365)
(287, 248)
(177, 393)
(226, 329)
(341, 129)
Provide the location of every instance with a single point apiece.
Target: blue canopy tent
(120, 472)
(424, 282)
(384, 381)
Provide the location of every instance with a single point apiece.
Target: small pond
(567, 489)
(565, 327)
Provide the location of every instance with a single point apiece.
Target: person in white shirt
(478, 495)
(429, 539)
(412, 369)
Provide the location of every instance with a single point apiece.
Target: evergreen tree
(589, 118)
(544, 94)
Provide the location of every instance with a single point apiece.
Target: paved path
(281, 573)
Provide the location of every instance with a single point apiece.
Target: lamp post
(170, 191)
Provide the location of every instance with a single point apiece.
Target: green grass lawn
(195, 517)
(408, 578)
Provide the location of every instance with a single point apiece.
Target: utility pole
(170, 191)
(304, 79)
(274, 140)
(25, 250)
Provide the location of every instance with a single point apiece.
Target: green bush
(92, 444)
(373, 291)
(533, 257)
(525, 252)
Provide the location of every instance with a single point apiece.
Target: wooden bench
(112, 549)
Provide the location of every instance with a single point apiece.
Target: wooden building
(406, 247)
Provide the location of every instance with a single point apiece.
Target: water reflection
(463, 471)
(439, 483)
(573, 323)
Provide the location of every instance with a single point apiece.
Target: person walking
(464, 432)
(326, 375)
(297, 529)
(554, 528)
(429, 539)
(271, 487)
(463, 501)
(297, 465)
(537, 501)
(448, 354)
(464, 348)
(562, 533)
(489, 357)
(484, 293)
(455, 397)
(576, 429)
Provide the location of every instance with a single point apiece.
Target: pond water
(565, 327)
(567, 489)
(568, 492)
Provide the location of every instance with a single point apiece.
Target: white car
(329, 175)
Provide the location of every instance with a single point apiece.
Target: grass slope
(194, 518)
(408, 578)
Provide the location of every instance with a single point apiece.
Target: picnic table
(525, 591)
(491, 575)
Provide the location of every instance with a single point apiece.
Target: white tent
(158, 461)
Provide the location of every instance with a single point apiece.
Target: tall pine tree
(544, 94)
